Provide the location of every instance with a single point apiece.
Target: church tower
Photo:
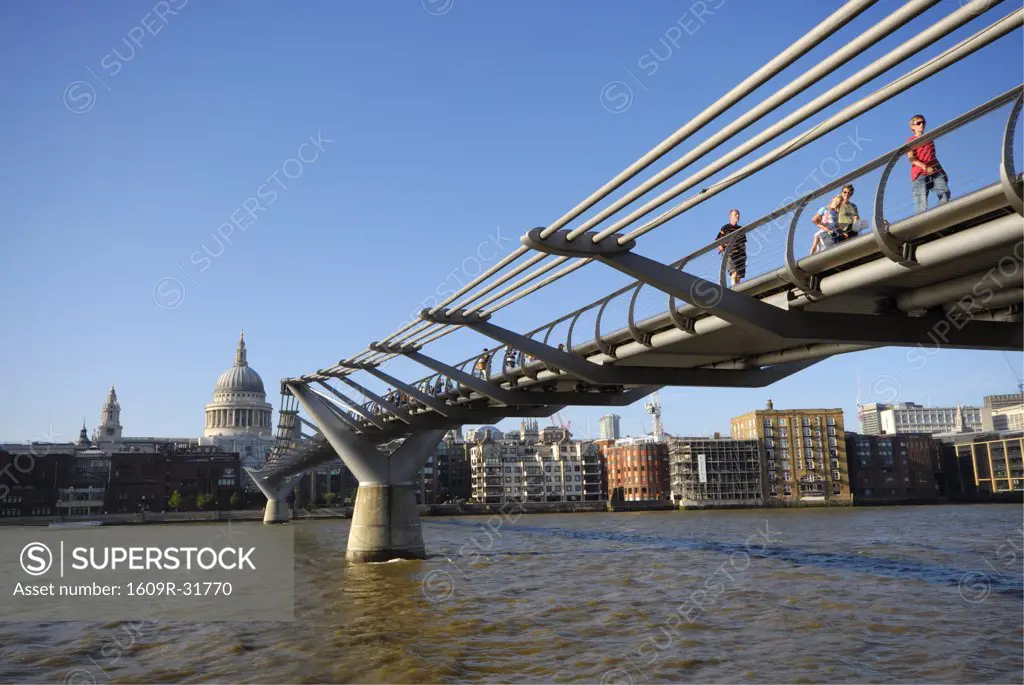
(109, 429)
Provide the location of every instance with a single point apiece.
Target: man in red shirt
(926, 173)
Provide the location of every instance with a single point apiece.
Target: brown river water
(897, 594)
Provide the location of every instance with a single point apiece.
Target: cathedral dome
(241, 377)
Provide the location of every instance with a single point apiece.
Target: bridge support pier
(386, 519)
(276, 492)
(385, 524)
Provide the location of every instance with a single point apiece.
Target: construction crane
(563, 425)
(654, 409)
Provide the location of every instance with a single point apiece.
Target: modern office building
(637, 470)
(808, 448)
(890, 469)
(447, 476)
(908, 417)
(870, 417)
(985, 465)
(610, 427)
(1002, 401)
(710, 472)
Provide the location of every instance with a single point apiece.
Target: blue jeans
(938, 182)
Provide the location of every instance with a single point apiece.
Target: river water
(897, 594)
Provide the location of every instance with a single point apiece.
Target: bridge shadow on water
(858, 563)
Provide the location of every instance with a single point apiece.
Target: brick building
(805, 454)
(637, 470)
(895, 468)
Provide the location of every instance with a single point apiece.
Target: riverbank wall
(426, 510)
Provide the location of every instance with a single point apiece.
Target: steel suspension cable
(936, 32)
(955, 54)
(846, 53)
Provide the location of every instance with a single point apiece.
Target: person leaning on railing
(926, 174)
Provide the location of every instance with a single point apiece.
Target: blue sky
(444, 129)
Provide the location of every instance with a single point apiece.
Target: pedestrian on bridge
(848, 214)
(827, 221)
(926, 174)
(736, 262)
(483, 365)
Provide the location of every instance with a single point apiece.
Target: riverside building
(986, 465)
(806, 449)
(637, 470)
(715, 472)
(525, 470)
(890, 469)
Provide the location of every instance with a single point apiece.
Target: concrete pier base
(385, 524)
(276, 490)
(277, 511)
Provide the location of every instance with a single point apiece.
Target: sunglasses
(917, 123)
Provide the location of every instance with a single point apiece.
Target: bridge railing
(782, 238)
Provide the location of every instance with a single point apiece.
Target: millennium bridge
(944, 276)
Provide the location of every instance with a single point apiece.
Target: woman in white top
(827, 221)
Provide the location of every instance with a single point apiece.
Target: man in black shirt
(736, 262)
